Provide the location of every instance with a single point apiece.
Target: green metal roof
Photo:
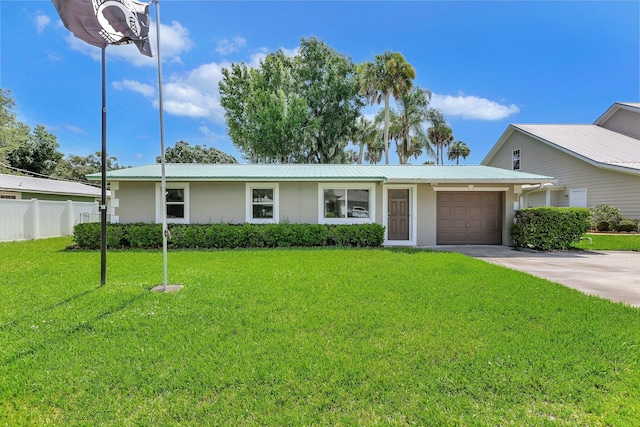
(315, 172)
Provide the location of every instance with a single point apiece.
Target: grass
(610, 242)
(305, 337)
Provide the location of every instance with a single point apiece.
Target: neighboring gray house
(597, 163)
(18, 187)
(418, 205)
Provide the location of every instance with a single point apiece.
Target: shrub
(627, 225)
(143, 235)
(549, 228)
(87, 235)
(229, 236)
(605, 217)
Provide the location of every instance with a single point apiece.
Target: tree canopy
(407, 125)
(182, 152)
(389, 74)
(38, 154)
(76, 168)
(13, 133)
(458, 149)
(300, 109)
(439, 133)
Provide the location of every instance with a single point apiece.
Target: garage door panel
(469, 218)
(474, 210)
(458, 197)
(458, 223)
(473, 198)
(475, 223)
(459, 210)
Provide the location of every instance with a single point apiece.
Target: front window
(346, 204)
(516, 160)
(262, 203)
(177, 203)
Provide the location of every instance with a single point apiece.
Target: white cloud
(205, 130)
(193, 94)
(145, 90)
(290, 52)
(175, 41)
(42, 21)
(226, 46)
(472, 107)
(254, 61)
(75, 129)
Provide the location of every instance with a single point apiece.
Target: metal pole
(165, 230)
(103, 205)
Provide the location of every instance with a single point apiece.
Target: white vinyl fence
(38, 219)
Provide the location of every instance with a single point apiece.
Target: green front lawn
(305, 337)
(610, 242)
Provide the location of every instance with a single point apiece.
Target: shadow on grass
(59, 335)
(72, 298)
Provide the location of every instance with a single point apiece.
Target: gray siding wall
(211, 203)
(625, 122)
(427, 211)
(299, 202)
(603, 186)
(220, 202)
(136, 202)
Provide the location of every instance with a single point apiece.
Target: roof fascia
(611, 111)
(579, 156)
(496, 147)
(244, 179)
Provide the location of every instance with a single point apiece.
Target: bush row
(606, 218)
(548, 228)
(229, 236)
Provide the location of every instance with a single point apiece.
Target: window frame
(519, 159)
(172, 186)
(7, 195)
(249, 187)
(346, 186)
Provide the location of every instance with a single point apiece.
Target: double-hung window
(262, 203)
(516, 160)
(346, 203)
(177, 203)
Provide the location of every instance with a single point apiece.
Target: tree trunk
(386, 128)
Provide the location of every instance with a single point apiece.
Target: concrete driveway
(608, 274)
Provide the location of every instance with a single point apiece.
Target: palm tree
(373, 154)
(440, 134)
(407, 126)
(458, 149)
(389, 74)
(366, 133)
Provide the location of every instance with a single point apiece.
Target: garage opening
(469, 218)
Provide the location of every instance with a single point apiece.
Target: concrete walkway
(609, 274)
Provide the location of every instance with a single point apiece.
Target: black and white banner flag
(105, 22)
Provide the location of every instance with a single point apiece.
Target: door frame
(413, 214)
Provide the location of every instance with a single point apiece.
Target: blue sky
(487, 64)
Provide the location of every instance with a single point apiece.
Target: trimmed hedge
(548, 228)
(230, 236)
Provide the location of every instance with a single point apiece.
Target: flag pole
(103, 205)
(165, 230)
